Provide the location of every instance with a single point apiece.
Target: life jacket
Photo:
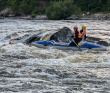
(79, 35)
(83, 33)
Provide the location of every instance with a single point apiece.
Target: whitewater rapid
(51, 56)
(28, 69)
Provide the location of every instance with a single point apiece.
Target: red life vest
(79, 35)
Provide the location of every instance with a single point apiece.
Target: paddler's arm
(84, 37)
(76, 34)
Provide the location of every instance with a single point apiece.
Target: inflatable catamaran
(64, 46)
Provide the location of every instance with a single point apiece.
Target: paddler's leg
(79, 41)
(72, 44)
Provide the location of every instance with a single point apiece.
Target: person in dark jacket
(77, 37)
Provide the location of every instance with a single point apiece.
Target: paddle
(77, 45)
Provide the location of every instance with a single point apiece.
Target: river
(28, 69)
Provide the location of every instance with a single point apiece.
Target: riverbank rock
(100, 16)
(96, 16)
(73, 17)
(41, 17)
(5, 12)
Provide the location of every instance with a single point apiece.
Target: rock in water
(62, 35)
(31, 39)
(97, 40)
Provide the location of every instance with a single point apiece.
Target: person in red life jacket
(77, 36)
(83, 32)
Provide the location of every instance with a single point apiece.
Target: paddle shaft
(77, 45)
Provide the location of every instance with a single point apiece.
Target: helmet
(83, 27)
(75, 27)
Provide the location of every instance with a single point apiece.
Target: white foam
(54, 56)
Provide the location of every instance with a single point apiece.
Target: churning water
(30, 56)
(21, 27)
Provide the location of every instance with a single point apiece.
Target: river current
(52, 56)
(30, 57)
